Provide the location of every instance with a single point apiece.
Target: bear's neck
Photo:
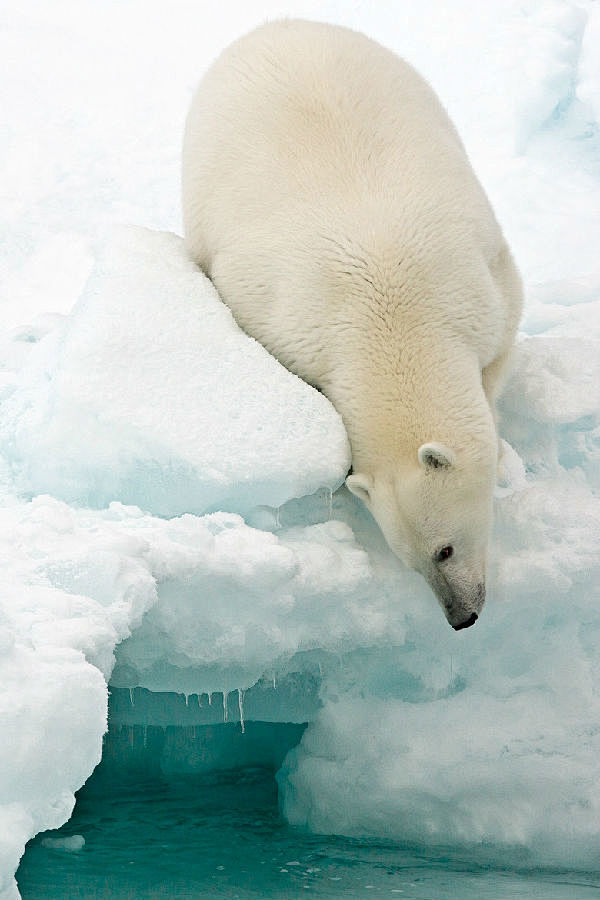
(390, 406)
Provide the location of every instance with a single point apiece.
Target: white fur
(329, 198)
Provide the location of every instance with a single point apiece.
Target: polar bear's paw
(511, 471)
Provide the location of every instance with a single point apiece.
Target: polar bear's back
(298, 112)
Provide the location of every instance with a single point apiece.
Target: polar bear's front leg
(492, 379)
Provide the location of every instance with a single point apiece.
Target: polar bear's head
(436, 513)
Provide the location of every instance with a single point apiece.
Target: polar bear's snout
(463, 612)
(470, 621)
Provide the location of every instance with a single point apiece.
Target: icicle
(274, 683)
(241, 709)
(210, 698)
(225, 710)
(145, 737)
(187, 699)
(131, 700)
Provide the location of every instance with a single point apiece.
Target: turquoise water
(196, 834)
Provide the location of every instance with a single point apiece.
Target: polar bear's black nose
(467, 623)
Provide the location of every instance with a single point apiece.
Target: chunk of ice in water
(71, 844)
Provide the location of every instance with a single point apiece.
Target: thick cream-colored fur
(329, 198)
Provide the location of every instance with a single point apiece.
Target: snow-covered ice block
(53, 712)
(235, 602)
(505, 776)
(550, 410)
(71, 844)
(72, 587)
(149, 393)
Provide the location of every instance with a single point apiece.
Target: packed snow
(170, 502)
(117, 402)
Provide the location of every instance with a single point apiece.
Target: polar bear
(329, 198)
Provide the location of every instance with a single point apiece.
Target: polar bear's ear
(360, 485)
(435, 456)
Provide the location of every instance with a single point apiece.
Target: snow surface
(150, 393)
(166, 501)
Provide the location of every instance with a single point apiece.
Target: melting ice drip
(240, 694)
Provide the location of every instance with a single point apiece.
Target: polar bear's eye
(444, 554)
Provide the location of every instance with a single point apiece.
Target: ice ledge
(149, 393)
